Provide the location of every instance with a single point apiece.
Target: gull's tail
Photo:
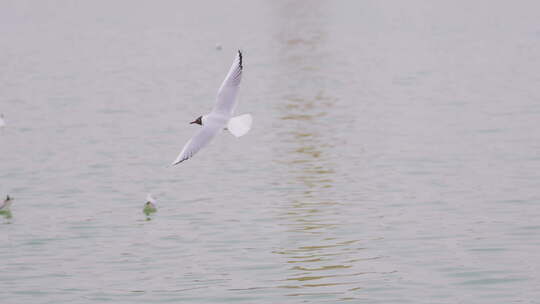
(240, 125)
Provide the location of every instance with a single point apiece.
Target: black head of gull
(197, 121)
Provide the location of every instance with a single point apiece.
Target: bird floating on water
(5, 207)
(150, 205)
(221, 116)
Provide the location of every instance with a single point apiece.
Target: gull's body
(221, 116)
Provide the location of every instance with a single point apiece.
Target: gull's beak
(195, 121)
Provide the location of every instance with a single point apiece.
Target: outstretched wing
(226, 97)
(197, 142)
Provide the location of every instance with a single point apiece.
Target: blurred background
(394, 155)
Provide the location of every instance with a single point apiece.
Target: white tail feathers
(240, 125)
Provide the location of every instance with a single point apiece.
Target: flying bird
(220, 118)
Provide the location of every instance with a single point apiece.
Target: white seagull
(6, 204)
(150, 205)
(221, 116)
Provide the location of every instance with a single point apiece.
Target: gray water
(394, 157)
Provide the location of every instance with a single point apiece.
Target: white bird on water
(221, 116)
(150, 205)
(6, 204)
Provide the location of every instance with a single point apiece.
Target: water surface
(394, 154)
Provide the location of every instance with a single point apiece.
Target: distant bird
(220, 117)
(2, 121)
(150, 205)
(4, 208)
(218, 47)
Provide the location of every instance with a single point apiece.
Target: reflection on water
(321, 261)
(6, 214)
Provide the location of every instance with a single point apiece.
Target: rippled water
(394, 155)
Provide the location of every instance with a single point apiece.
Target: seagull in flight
(220, 118)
